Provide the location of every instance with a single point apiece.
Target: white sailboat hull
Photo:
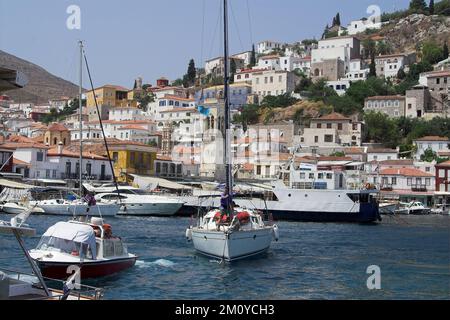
(233, 246)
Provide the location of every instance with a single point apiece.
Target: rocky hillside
(408, 33)
(42, 85)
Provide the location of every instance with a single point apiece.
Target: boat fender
(189, 234)
(243, 217)
(276, 234)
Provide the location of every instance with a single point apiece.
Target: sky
(153, 38)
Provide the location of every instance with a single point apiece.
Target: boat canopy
(75, 232)
(14, 184)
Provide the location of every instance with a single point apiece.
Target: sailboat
(233, 233)
(79, 207)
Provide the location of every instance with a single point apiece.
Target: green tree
(431, 7)
(432, 53)
(401, 74)
(281, 101)
(428, 156)
(191, 73)
(338, 19)
(381, 129)
(249, 115)
(337, 154)
(143, 99)
(232, 70)
(372, 67)
(320, 91)
(445, 51)
(253, 57)
(418, 6)
(178, 82)
(369, 48)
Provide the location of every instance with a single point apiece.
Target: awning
(51, 181)
(14, 185)
(153, 183)
(73, 232)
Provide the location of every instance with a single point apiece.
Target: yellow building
(110, 95)
(131, 157)
(56, 134)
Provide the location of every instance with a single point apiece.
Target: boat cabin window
(113, 247)
(65, 246)
(113, 197)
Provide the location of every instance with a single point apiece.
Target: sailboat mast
(227, 153)
(81, 119)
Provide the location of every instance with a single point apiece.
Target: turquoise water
(311, 261)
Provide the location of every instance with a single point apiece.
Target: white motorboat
(138, 202)
(16, 285)
(414, 207)
(244, 236)
(13, 208)
(77, 207)
(89, 246)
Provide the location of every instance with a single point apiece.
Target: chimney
(60, 147)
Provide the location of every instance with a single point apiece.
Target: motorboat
(78, 207)
(13, 208)
(414, 207)
(242, 236)
(138, 202)
(388, 207)
(15, 285)
(90, 246)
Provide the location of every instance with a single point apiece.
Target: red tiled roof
(20, 162)
(25, 142)
(134, 127)
(443, 164)
(433, 138)
(386, 98)
(57, 127)
(66, 153)
(400, 162)
(335, 158)
(439, 74)
(172, 97)
(407, 172)
(382, 150)
(355, 151)
(333, 116)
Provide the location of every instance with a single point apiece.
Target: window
(329, 176)
(441, 173)
(40, 156)
(316, 139)
(311, 175)
(302, 175)
(329, 126)
(271, 79)
(319, 126)
(438, 80)
(280, 79)
(320, 175)
(394, 181)
(427, 181)
(47, 173)
(328, 138)
(409, 181)
(258, 170)
(355, 126)
(339, 126)
(115, 156)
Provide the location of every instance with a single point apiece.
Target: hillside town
(340, 112)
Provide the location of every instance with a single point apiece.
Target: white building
(435, 143)
(389, 65)
(382, 154)
(265, 47)
(168, 102)
(245, 75)
(359, 26)
(125, 113)
(331, 130)
(271, 82)
(358, 70)
(245, 56)
(342, 48)
(271, 62)
(340, 86)
(304, 64)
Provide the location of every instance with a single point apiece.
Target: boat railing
(85, 291)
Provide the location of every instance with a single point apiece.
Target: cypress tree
(431, 7)
(373, 69)
(338, 19)
(253, 57)
(191, 73)
(417, 6)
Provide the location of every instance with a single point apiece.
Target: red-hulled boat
(91, 246)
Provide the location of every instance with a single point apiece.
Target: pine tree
(431, 7)
(418, 6)
(445, 51)
(334, 22)
(253, 57)
(191, 73)
(373, 69)
(338, 19)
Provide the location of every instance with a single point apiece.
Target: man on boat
(225, 203)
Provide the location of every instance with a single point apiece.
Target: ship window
(108, 248)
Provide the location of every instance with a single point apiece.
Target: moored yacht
(138, 202)
(78, 207)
